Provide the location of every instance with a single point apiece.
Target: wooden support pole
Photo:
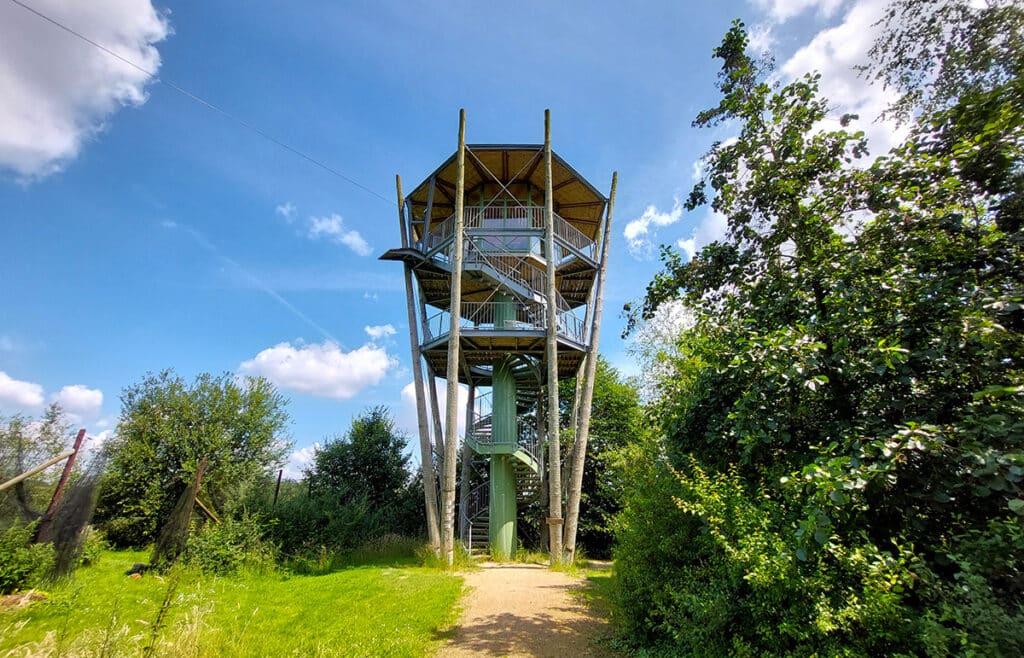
(580, 455)
(207, 511)
(551, 355)
(455, 309)
(435, 411)
(467, 462)
(426, 457)
(277, 489)
(42, 467)
(43, 529)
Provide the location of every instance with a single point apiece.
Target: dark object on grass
(138, 568)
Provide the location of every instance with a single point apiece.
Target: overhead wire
(205, 103)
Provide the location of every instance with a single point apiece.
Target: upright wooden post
(580, 454)
(435, 410)
(455, 311)
(43, 529)
(426, 458)
(551, 354)
(467, 462)
(277, 487)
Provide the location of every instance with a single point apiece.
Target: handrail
(520, 218)
(480, 316)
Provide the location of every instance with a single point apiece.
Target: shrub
(229, 546)
(93, 546)
(22, 563)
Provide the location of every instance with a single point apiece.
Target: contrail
(252, 278)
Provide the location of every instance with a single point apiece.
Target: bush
(22, 563)
(93, 546)
(230, 546)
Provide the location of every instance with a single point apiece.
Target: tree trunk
(426, 457)
(583, 434)
(452, 403)
(551, 355)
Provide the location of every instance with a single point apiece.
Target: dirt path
(525, 610)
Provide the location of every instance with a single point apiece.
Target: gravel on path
(525, 610)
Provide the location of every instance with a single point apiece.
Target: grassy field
(369, 610)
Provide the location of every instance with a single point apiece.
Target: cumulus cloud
(639, 231)
(19, 394)
(299, 460)
(380, 331)
(834, 52)
(321, 369)
(713, 227)
(333, 228)
(78, 401)
(59, 91)
(783, 10)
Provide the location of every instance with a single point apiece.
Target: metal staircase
(529, 454)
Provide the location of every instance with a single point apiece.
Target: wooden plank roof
(575, 199)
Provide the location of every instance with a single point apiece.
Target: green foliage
(23, 564)
(166, 428)
(615, 421)
(24, 443)
(229, 546)
(843, 420)
(359, 488)
(93, 547)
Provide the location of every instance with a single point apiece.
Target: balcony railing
(528, 220)
(528, 317)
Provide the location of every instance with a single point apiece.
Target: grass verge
(360, 610)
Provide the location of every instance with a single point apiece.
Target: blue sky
(142, 230)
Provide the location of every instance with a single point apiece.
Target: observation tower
(502, 246)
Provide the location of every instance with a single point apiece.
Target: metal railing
(480, 316)
(521, 219)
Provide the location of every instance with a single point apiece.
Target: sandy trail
(525, 610)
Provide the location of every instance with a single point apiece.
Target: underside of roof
(520, 169)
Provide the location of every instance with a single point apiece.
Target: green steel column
(505, 431)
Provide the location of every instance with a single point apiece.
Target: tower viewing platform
(503, 248)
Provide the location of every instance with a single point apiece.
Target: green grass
(378, 610)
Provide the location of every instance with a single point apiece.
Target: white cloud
(408, 415)
(783, 10)
(321, 369)
(19, 394)
(380, 331)
(333, 229)
(639, 231)
(834, 52)
(59, 91)
(761, 39)
(286, 210)
(713, 227)
(372, 296)
(300, 460)
(78, 401)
